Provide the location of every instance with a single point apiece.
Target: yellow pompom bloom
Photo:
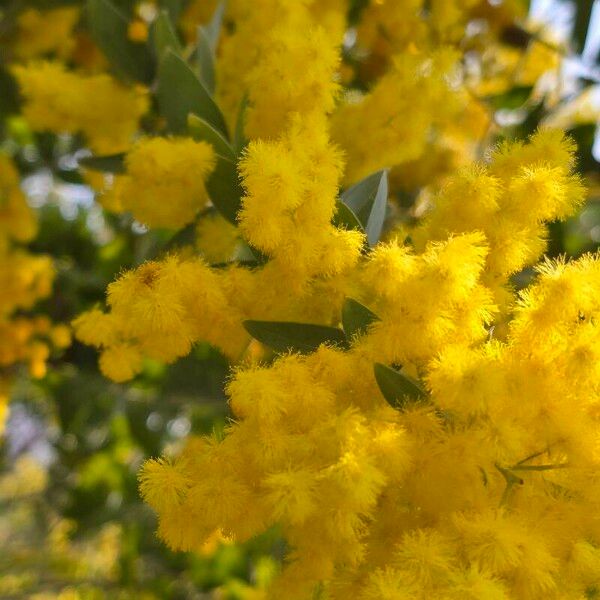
(120, 362)
(174, 171)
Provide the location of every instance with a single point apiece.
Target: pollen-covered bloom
(173, 172)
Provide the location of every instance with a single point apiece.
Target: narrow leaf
(163, 35)
(345, 218)
(213, 27)
(111, 163)
(206, 60)
(582, 22)
(356, 318)
(398, 389)
(180, 92)
(282, 336)
(239, 137)
(224, 189)
(368, 199)
(203, 131)
(108, 27)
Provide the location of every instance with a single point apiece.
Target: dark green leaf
(225, 190)
(511, 99)
(282, 336)
(398, 389)
(582, 22)
(111, 163)
(108, 27)
(239, 137)
(163, 35)
(585, 137)
(206, 60)
(368, 199)
(516, 36)
(180, 92)
(345, 218)
(356, 318)
(204, 131)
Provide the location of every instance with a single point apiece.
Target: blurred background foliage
(71, 521)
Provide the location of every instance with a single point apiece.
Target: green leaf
(180, 92)
(111, 163)
(206, 50)
(239, 137)
(213, 27)
(512, 99)
(163, 35)
(585, 138)
(582, 22)
(345, 218)
(224, 189)
(108, 27)
(203, 131)
(173, 8)
(356, 318)
(398, 389)
(368, 200)
(206, 60)
(282, 336)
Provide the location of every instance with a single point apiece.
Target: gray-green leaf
(180, 92)
(368, 200)
(398, 389)
(282, 336)
(203, 131)
(356, 318)
(345, 218)
(206, 60)
(164, 36)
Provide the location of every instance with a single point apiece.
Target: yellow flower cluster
(173, 171)
(509, 200)
(24, 280)
(484, 484)
(290, 38)
(488, 487)
(158, 311)
(62, 101)
(386, 127)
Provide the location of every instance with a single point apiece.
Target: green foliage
(283, 336)
(398, 389)
(108, 25)
(180, 92)
(356, 318)
(368, 201)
